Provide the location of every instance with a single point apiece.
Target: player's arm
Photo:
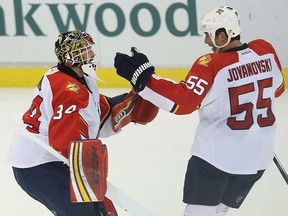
(178, 98)
(106, 105)
(278, 79)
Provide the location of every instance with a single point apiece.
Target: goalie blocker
(133, 109)
(88, 164)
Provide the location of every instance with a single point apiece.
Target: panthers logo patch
(204, 60)
(72, 87)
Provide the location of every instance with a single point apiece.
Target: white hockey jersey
(234, 92)
(62, 110)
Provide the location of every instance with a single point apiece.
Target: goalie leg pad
(109, 207)
(88, 164)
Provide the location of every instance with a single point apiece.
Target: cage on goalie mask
(77, 48)
(221, 17)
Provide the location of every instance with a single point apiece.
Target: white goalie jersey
(62, 109)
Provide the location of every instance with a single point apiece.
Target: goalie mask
(78, 48)
(221, 17)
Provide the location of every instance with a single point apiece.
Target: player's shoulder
(215, 61)
(62, 82)
(261, 46)
(259, 42)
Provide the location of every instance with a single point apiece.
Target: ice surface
(148, 163)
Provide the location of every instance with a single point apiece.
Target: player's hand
(136, 68)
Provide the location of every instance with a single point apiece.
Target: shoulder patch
(72, 87)
(204, 60)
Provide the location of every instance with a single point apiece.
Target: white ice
(147, 162)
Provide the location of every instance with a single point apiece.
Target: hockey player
(234, 90)
(67, 106)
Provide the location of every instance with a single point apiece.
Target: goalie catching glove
(133, 109)
(136, 68)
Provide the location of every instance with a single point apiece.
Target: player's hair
(238, 37)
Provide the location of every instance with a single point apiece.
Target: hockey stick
(280, 168)
(115, 194)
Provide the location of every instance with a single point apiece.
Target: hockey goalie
(69, 116)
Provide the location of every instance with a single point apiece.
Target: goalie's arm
(106, 105)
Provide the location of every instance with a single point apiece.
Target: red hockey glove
(133, 109)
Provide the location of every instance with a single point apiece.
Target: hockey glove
(133, 109)
(136, 68)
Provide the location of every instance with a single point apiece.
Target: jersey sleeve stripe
(174, 108)
(280, 90)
